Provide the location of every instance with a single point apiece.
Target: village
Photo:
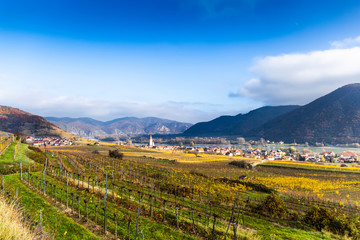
(48, 141)
(289, 154)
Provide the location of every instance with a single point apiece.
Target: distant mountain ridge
(240, 124)
(333, 118)
(16, 121)
(121, 127)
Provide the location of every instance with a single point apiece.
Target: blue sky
(186, 60)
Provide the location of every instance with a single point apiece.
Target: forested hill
(16, 121)
(239, 124)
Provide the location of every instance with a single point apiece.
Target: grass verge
(54, 222)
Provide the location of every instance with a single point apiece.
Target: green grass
(55, 222)
(21, 155)
(9, 166)
(8, 156)
(272, 230)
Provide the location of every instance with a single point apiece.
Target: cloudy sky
(185, 60)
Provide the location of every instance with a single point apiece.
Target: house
(313, 158)
(230, 154)
(328, 154)
(349, 156)
(37, 143)
(200, 150)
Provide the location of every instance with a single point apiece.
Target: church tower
(151, 142)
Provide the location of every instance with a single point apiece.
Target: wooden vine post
(67, 191)
(115, 220)
(105, 196)
(164, 210)
(214, 224)
(72, 202)
(137, 217)
(29, 176)
(86, 209)
(151, 196)
(231, 217)
(96, 206)
(177, 215)
(78, 199)
(3, 187)
(40, 220)
(43, 177)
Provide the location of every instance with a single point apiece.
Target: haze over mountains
(333, 118)
(121, 127)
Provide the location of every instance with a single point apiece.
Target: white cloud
(346, 43)
(301, 78)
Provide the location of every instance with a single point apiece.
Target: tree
(192, 144)
(116, 154)
(292, 149)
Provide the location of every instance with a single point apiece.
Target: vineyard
(80, 192)
(4, 144)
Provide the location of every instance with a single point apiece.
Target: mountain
(240, 124)
(121, 127)
(333, 118)
(16, 121)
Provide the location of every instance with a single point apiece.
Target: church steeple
(151, 142)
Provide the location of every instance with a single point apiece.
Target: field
(82, 193)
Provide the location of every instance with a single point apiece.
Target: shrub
(241, 164)
(273, 206)
(322, 218)
(255, 186)
(37, 155)
(293, 215)
(116, 154)
(318, 217)
(35, 149)
(192, 172)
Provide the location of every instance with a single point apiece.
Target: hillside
(16, 121)
(333, 118)
(121, 127)
(239, 124)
